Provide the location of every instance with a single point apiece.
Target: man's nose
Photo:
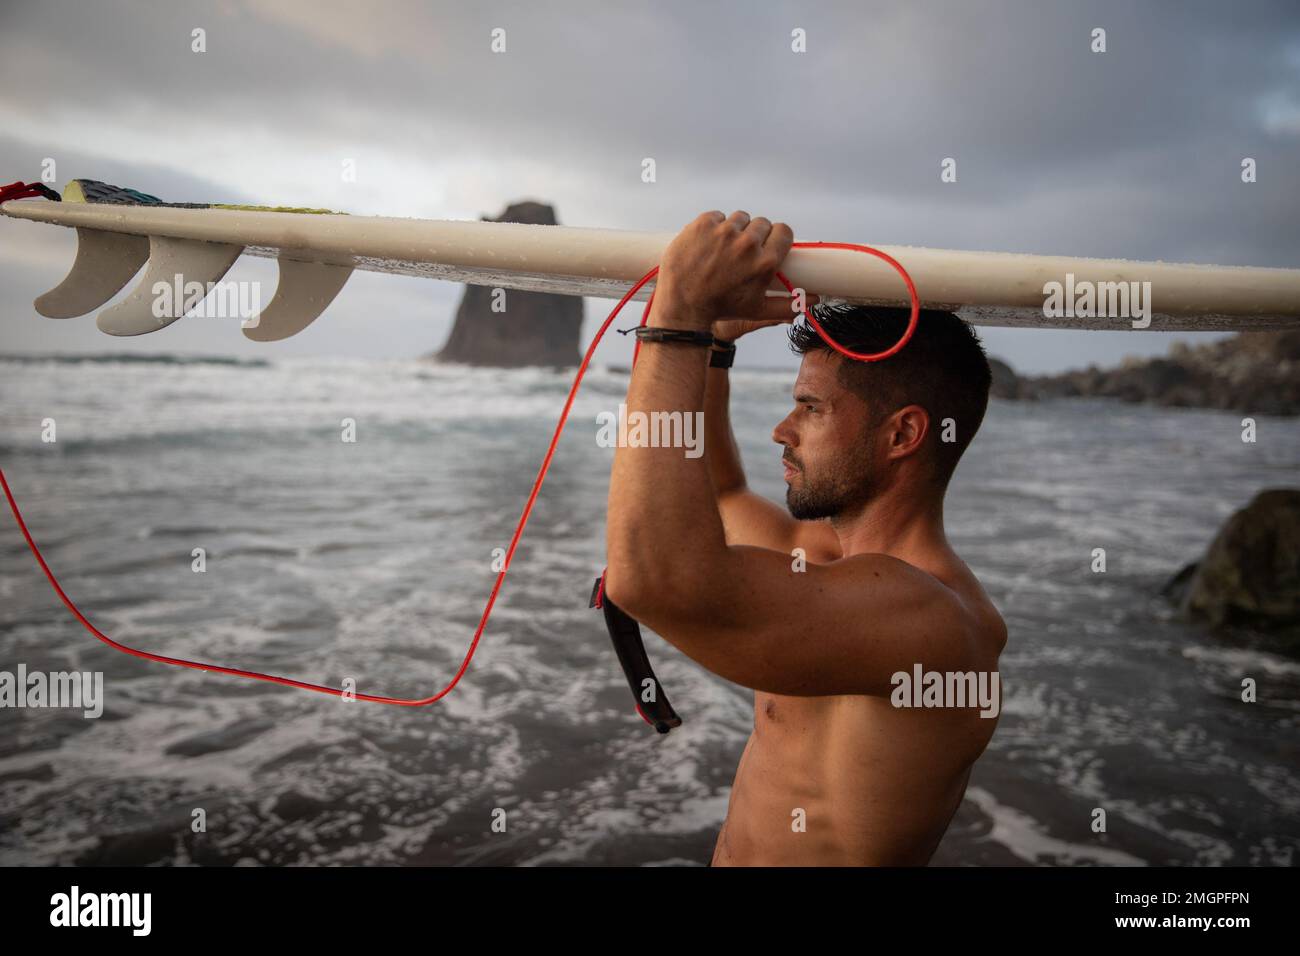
(784, 434)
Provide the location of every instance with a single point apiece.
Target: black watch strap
(722, 355)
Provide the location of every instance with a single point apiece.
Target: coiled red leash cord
(524, 515)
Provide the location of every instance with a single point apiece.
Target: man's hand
(775, 310)
(719, 266)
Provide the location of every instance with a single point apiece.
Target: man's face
(829, 454)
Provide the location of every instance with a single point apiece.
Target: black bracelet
(648, 333)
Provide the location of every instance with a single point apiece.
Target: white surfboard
(318, 251)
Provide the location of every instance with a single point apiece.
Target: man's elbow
(624, 590)
(659, 597)
(640, 593)
(627, 571)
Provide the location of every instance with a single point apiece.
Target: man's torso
(854, 780)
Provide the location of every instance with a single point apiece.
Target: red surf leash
(10, 192)
(21, 190)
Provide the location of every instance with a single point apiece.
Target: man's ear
(906, 431)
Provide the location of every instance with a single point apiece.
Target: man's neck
(898, 522)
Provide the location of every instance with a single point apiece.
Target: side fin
(306, 289)
(104, 265)
(170, 261)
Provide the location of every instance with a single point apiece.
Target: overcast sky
(1133, 153)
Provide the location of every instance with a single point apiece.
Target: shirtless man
(834, 773)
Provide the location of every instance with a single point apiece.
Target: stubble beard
(844, 484)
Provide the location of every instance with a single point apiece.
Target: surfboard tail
(179, 274)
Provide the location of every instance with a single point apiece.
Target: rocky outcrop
(1006, 383)
(535, 328)
(1251, 572)
(1252, 372)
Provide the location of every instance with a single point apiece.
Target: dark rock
(226, 738)
(1006, 383)
(1146, 381)
(41, 773)
(1252, 372)
(141, 848)
(293, 805)
(151, 838)
(536, 328)
(1175, 588)
(1251, 572)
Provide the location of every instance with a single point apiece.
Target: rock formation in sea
(535, 328)
(1006, 383)
(1252, 372)
(1251, 572)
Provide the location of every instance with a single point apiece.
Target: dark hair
(942, 368)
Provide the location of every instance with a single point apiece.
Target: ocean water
(371, 560)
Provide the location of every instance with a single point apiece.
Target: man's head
(860, 428)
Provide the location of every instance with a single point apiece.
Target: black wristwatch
(722, 354)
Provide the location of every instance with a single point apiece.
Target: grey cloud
(1133, 153)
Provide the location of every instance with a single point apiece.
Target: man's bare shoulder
(988, 629)
(942, 578)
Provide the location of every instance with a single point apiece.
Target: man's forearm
(720, 449)
(663, 513)
(665, 533)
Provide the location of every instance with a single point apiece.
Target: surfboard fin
(306, 289)
(105, 263)
(177, 264)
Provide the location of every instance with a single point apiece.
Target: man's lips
(790, 469)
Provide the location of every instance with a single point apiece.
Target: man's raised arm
(720, 449)
(841, 628)
(748, 518)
